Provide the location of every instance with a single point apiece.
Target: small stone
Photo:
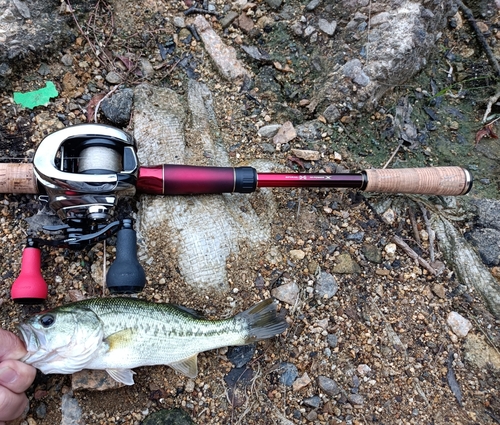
(67, 59)
(329, 386)
(323, 323)
(275, 4)
(331, 114)
(313, 4)
(189, 387)
(69, 82)
(390, 249)
(288, 293)
(98, 380)
(454, 125)
(297, 254)
(356, 399)
(184, 34)
(313, 402)
(389, 216)
(41, 411)
(296, 27)
(459, 325)
(43, 69)
(288, 373)
(179, 21)
(346, 265)
(379, 19)
(245, 23)
(71, 412)
(309, 30)
(274, 256)
(372, 253)
(364, 369)
(439, 291)
(227, 20)
(241, 355)
(356, 237)
(332, 340)
(305, 154)
(113, 78)
(285, 133)
(312, 416)
(169, 416)
(483, 27)
(268, 131)
(326, 285)
(327, 27)
(495, 271)
(118, 108)
(268, 148)
(146, 68)
(354, 70)
(22, 8)
(224, 56)
(301, 382)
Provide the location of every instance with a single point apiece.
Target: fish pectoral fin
(125, 376)
(120, 338)
(188, 367)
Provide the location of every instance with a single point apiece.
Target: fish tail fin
(263, 321)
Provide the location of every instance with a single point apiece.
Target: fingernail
(7, 375)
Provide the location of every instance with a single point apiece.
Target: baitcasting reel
(84, 171)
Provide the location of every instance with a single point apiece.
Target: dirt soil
(383, 338)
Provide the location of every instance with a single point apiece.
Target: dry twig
(412, 254)
(430, 232)
(414, 226)
(482, 40)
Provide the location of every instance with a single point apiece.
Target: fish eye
(47, 320)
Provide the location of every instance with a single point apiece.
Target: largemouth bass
(119, 334)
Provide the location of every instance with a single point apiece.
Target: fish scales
(119, 334)
(170, 325)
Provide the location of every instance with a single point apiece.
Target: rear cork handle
(17, 178)
(446, 181)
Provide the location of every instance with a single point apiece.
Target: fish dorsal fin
(120, 338)
(188, 367)
(196, 314)
(125, 376)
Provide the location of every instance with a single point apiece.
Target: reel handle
(126, 275)
(30, 287)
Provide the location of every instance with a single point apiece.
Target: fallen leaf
(129, 64)
(296, 160)
(92, 105)
(486, 131)
(452, 380)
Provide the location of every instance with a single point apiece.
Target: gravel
(369, 337)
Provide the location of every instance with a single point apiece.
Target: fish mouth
(24, 332)
(32, 339)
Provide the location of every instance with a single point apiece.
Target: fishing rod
(84, 170)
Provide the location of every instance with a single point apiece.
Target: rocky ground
(375, 336)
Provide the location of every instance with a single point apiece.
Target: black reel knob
(126, 275)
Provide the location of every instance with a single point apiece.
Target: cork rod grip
(446, 181)
(17, 178)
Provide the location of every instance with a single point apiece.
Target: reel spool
(85, 169)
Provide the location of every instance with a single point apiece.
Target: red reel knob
(30, 287)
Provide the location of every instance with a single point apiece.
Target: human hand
(15, 377)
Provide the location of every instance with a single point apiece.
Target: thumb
(11, 347)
